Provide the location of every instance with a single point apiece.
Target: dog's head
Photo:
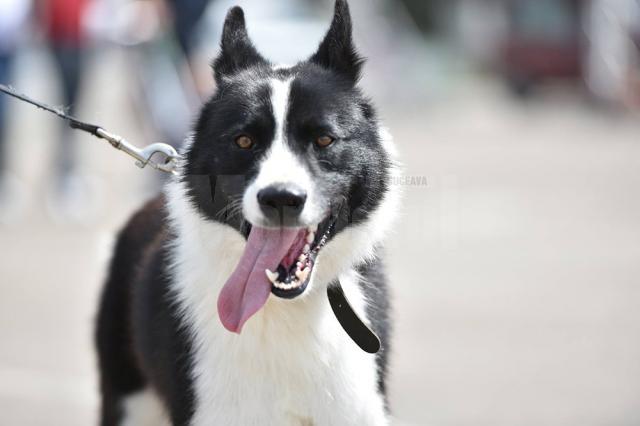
(291, 157)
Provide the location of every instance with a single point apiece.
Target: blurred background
(515, 265)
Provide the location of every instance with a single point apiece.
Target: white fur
(280, 165)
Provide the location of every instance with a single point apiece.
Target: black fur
(337, 51)
(162, 342)
(236, 50)
(139, 336)
(120, 374)
(374, 285)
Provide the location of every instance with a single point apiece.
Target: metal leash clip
(144, 156)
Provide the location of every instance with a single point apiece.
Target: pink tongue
(248, 288)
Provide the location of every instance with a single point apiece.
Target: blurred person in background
(160, 36)
(62, 23)
(612, 27)
(13, 15)
(186, 18)
(544, 44)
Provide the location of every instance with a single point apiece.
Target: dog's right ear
(337, 51)
(236, 50)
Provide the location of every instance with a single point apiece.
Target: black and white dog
(215, 311)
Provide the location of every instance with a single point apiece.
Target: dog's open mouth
(291, 277)
(275, 260)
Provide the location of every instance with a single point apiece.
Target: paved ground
(515, 267)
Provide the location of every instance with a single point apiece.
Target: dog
(215, 308)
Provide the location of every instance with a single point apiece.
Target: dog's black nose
(281, 196)
(283, 202)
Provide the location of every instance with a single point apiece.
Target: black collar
(359, 332)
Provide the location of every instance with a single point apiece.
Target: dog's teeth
(295, 283)
(306, 248)
(273, 276)
(310, 237)
(302, 258)
(302, 275)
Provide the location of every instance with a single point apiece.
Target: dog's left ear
(236, 49)
(337, 51)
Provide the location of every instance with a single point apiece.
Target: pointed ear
(236, 50)
(337, 51)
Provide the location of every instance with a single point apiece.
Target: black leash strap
(359, 332)
(73, 123)
(143, 156)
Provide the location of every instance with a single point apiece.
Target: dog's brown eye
(324, 141)
(244, 142)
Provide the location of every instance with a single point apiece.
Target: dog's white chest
(286, 370)
(291, 365)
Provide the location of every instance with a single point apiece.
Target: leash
(144, 156)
